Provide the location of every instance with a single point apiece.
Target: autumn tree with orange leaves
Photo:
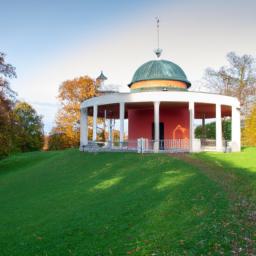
(71, 94)
(249, 131)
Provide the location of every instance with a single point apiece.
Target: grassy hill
(73, 203)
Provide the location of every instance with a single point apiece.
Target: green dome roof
(159, 70)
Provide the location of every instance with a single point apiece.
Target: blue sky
(51, 41)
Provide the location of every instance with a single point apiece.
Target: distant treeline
(21, 128)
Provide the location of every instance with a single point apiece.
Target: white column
(203, 128)
(83, 128)
(110, 131)
(156, 123)
(219, 145)
(104, 124)
(236, 130)
(121, 116)
(95, 115)
(191, 107)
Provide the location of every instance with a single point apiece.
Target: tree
(249, 131)
(6, 127)
(29, 134)
(6, 71)
(21, 129)
(71, 94)
(57, 141)
(7, 97)
(238, 79)
(211, 130)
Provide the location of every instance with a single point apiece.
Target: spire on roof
(101, 77)
(158, 51)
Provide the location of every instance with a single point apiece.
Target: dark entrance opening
(161, 134)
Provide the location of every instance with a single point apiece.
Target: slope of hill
(73, 203)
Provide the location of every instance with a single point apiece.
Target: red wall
(175, 119)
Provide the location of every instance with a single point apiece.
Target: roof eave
(180, 80)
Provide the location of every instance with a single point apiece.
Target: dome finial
(158, 51)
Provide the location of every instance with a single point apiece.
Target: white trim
(161, 96)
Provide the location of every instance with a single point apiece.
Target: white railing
(208, 142)
(173, 146)
(141, 145)
(212, 142)
(95, 146)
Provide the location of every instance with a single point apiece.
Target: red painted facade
(174, 118)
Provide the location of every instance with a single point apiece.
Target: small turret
(101, 79)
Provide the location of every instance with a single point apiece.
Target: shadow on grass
(111, 204)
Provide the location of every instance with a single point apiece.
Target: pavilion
(161, 113)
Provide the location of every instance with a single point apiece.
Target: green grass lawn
(73, 203)
(236, 174)
(240, 168)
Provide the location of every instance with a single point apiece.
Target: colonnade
(235, 141)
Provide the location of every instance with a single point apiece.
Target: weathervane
(158, 51)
